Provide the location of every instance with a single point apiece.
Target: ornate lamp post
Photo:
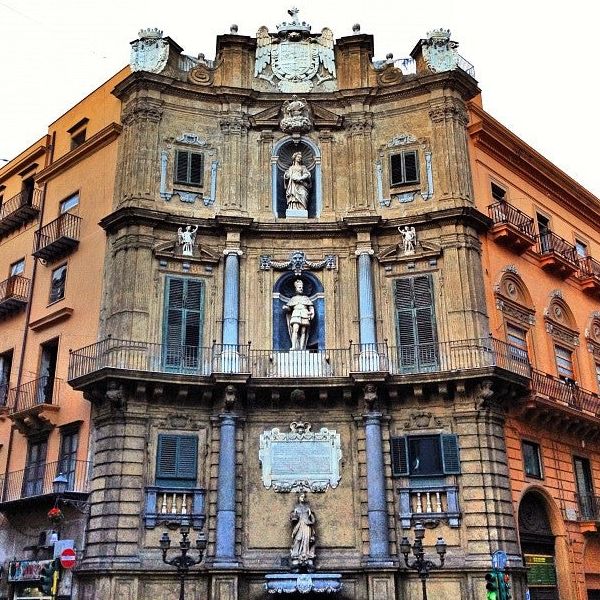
(183, 562)
(421, 564)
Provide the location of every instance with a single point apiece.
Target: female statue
(303, 535)
(297, 179)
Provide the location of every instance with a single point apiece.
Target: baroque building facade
(302, 331)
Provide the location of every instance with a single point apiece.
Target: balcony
(511, 227)
(33, 405)
(35, 483)
(589, 275)
(429, 504)
(557, 255)
(19, 209)
(570, 408)
(14, 294)
(589, 508)
(143, 360)
(57, 239)
(174, 506)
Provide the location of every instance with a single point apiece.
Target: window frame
(177, 480)
(188, 181)
(504, 191)
(64, 286)
(537, 448)
(573, 373)
(62, 203)
(448, 449)
(21, 261)
(70, 431)
(403, 153)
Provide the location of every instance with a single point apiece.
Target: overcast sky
(535, 60)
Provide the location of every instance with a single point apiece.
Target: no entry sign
(67, 558)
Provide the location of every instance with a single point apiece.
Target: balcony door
(67, 462)
(47, 373)
(33, 477)
(585, 489)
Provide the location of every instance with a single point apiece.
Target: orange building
(542, 264)
(51, 259)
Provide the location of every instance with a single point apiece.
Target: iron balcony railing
(14, 294)
(550, 243)
(37, 479)
(127, 355)
(565, 392)
(58, 237)
(19, 209)
(506, 214)
(589, 507)
(589, 267)
(42, 391)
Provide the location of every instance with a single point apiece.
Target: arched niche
(283, 290)
(281, 159)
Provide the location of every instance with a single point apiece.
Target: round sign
(67, 558)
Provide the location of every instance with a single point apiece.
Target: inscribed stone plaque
(300, 459)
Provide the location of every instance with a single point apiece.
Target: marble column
(376, 497)
(225, 534)
(231, 297)
(366, 301)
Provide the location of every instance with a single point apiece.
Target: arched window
(561, 326)
(310, 187)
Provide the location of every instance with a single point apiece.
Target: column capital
(364, 250)
(229, 251)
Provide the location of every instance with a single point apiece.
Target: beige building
(283, 334)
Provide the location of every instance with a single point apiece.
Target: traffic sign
(67, 558)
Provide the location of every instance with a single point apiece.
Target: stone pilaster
(326, 144)
(234, 128)
(449, 120)
(359, 153)
(138, 151)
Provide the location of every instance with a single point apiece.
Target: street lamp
(421, 564)
(183, 562)
(59, 487)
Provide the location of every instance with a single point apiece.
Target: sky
(535, 60)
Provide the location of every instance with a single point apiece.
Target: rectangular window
(415, 324)
(404, 168)
(177, 460)
(517, 338)
(188, 167)
(35, 469)
(183, 322)
(67, 461)
(564, 362)
(6, 359)
(78, 138)
(498, 193)
(47, 372)
(57, 284)
(585, 488)
(17, 267)
(425, 455)
(581, 248)
(532, 460)
(68, 203)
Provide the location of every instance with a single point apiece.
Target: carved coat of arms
(439, 51)
(295, 60)
(149, 52)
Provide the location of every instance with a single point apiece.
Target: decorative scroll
(297, 263)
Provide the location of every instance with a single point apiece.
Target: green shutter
(177, 460)
(396, 174)
(411, 171)
(196, 169)
(184, 316)
(399, 456)
(450, 454)
(415, 322)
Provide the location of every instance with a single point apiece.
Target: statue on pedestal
(409, 237)
(298, 183)
(302, 552)
(300, 312)
(186, 239)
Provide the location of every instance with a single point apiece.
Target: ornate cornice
(494, 138)
(142, 109)
(445, 109)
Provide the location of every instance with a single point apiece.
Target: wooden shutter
(181, 166)
(399, 456)
(415, 322)
(183, 321)
(176, 460)
(450, 454)
(196, 169)
(396, 172)
(411, 170)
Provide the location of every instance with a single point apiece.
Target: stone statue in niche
(186, 239)
(302, 551)
(409, 237)
(296, 116)
(297, 186)
(300, 311)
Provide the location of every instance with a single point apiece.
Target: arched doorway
(591, 566)
(537, 547)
